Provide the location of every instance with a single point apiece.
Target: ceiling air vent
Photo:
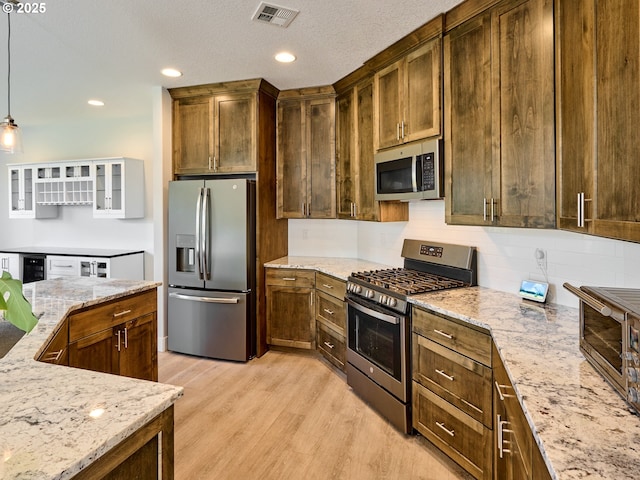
(274, 14)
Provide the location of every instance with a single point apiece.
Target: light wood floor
(286, 415)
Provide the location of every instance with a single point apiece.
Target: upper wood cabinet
(354, 159)
(407, 103)
(305, 159)
(215, 128)
(598, 98)
(500, 118)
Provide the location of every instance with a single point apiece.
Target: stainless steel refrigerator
(212, 271)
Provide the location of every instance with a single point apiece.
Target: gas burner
(406, 281)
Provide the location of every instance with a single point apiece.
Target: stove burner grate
(406, 281)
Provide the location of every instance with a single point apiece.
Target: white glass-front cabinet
(118, 188)
(22, 199)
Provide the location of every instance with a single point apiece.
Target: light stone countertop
(335, 266)
(583, 427)
(45, 429)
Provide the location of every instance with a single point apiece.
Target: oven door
(601, 341)
(378, 345)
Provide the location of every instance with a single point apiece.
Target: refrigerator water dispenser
(186, 253)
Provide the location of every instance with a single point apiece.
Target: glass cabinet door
(101, 188)
(115, 198)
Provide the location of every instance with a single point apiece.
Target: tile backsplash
(505, 255)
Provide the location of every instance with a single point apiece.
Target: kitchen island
(580, 424)
(58, 422)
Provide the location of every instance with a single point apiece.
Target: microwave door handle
(589, 300)
(414, 175)
(372, 313)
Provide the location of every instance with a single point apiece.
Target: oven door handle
(589, 300)
(373, 313)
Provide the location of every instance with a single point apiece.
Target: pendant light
(10, 135)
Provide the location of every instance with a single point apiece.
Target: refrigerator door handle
(206, 254)
(204, 299)
(198, 233)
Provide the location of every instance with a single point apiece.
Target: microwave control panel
(428, 171)
(633, 361)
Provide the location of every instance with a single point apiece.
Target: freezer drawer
(209, 323)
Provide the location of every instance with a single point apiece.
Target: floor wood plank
(286, 415)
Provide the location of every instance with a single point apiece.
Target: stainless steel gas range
(379, 321)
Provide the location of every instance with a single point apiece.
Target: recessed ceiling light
(96, 103)
(285, 57)
(171, 72)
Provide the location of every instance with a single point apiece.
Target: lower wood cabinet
(517, 456)
(57, 350)
(331, 319)
(118, 337)
(290, 307)
(452, 378)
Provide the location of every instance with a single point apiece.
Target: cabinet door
(193, 135)
(367, 208)
(388, 108)
(422, 92)
(138, 352)
(290, 317)
(320, 153)
(291, 160)
(235, 133)
(97, 352)
(10, 262)
(618, 97)
(345, 154)
(468, 136)
(524, 87)
(576, 113)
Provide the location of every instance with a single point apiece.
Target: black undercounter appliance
(379, 321)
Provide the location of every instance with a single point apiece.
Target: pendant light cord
(9, 64)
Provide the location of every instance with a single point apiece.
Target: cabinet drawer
(463, 339)
(461, 381)
(465, 440)
(290, 277)
(331, 285)
(331, 345)
(62, 266)
(107, 315)
(332, 311)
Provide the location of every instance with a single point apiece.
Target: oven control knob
(357, 289)
(392, 302)
(369, 294)
(383, 299)
(632, 374)
(633, 395)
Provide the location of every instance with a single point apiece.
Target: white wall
(75, 227)
(505, 255)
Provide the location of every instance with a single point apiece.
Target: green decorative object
(12, 301)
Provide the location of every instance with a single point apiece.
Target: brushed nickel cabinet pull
(500, 393)
(444, 334)
(119, 314)
(329, 345)
(330, 312)
(397, 131)
(326, 285)
(118, 342)
(484, 209)
(402, 129)
(442, 373)
(450, 432)
(126, 338)
(289, 279)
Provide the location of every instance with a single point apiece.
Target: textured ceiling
(114, 50)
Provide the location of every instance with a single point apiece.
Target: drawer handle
(119, 314)
(330, 312)
(327, 286)
(52, 357)
(450, 432)
(441, 372)
(444, 334)
(499, 389)
(329, 345)
(289, 279)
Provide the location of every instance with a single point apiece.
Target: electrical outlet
(541, 258)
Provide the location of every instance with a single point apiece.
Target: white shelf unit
(128, 267)
(113, 186)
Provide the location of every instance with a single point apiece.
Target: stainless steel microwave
(410, 172)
